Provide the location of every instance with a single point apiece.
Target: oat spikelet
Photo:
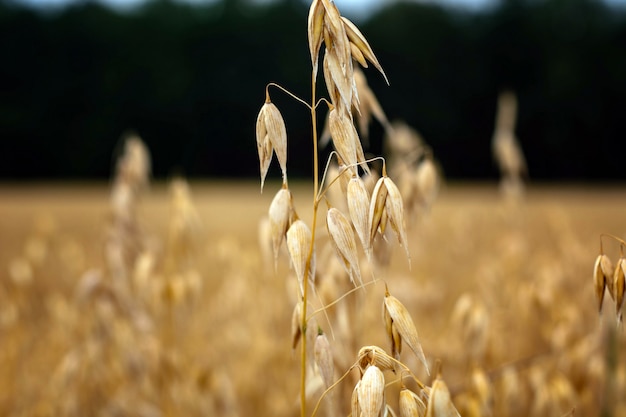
(618, 286)
(280, 213)
(296, 321)
(386, 206)
(410, 404)
(371, 392)
(356, 37)
(344, 137)
(398, 322)
(342, 237)
(315, 32)
(324, 359)
(374, 355)
(270, 123)
(439, 401)
(358, 207)
(600, 278)
(395, 213)
(299, 244)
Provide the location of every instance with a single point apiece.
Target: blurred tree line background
(190, 81)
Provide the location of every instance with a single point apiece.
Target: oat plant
(366, 216)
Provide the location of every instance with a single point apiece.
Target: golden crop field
(178, 311)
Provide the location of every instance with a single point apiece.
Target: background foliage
(190, 80)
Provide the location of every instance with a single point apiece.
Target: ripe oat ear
(395, 214)
(344, 137)
(599, 283)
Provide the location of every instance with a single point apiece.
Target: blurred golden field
(501, 294)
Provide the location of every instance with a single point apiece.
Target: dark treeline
(190, 81)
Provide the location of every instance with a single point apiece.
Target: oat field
(198, 323)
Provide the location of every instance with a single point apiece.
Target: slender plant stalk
(310, 255)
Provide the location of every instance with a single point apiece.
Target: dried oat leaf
(401, 321)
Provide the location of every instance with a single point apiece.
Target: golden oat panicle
(395, 313)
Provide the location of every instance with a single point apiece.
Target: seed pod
(400, 321)
(324, 359)
(371, 392)
(299, 245)
(342, 237)
(410, 404)
(279, 214)
(358, 206)
(315, 30)
(439, 401)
